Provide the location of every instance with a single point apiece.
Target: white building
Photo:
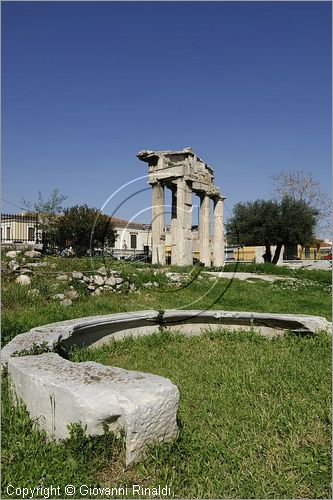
(132, 237)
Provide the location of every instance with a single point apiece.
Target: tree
(48, 210)
(302, 186)
(51, 206)
(268, 222)
(253, 223)
(84, 228)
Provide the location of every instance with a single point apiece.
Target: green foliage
(51, 206)
(48, 210)
(84, 228)
(262, 222)
(297, 221)
(252, 223)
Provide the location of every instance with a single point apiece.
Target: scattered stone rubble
(95, 283)
(102, 280)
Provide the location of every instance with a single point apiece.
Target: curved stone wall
(59, 392)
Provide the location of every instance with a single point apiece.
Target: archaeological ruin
(184, 173)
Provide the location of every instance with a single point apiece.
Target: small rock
(34, 292)
(59, 296)
(111, 281)
(33, 254)
(91, 288)
(174, 277)
(148, 285)
(77, 275)
(86, 279)
(54, 265)
(13, 265)
(25, 271)
(97, 292)
(36, 264)
(23, 280)
(119, 280)
(72, 294)
(98, 280)
(12, 254)
(62, 277)
(103, 271)
(66, 302)
(156, 284)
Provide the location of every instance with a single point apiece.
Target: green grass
(30, 459)
(319, 275)
(254, 417)
(309, 294)
(254, 413)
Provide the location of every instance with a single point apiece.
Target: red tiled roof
(122, 222)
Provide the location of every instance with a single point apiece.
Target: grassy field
(255, 417)
(310, 293)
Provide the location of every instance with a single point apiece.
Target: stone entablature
(184, 173)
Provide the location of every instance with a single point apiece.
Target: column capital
(218, 197)
(156, 182)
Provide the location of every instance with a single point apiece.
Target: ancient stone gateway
(184, 173)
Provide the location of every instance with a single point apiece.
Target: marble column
(158, 225)
(184, 223)
(218, 240)
(174, 228)
(204, 230)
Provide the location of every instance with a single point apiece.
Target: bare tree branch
(301, 185)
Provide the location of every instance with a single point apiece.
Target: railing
(125, 252)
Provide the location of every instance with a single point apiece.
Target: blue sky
(86, 85)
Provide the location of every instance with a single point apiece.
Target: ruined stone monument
(184, 173)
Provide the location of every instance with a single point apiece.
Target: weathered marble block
(58, 392)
